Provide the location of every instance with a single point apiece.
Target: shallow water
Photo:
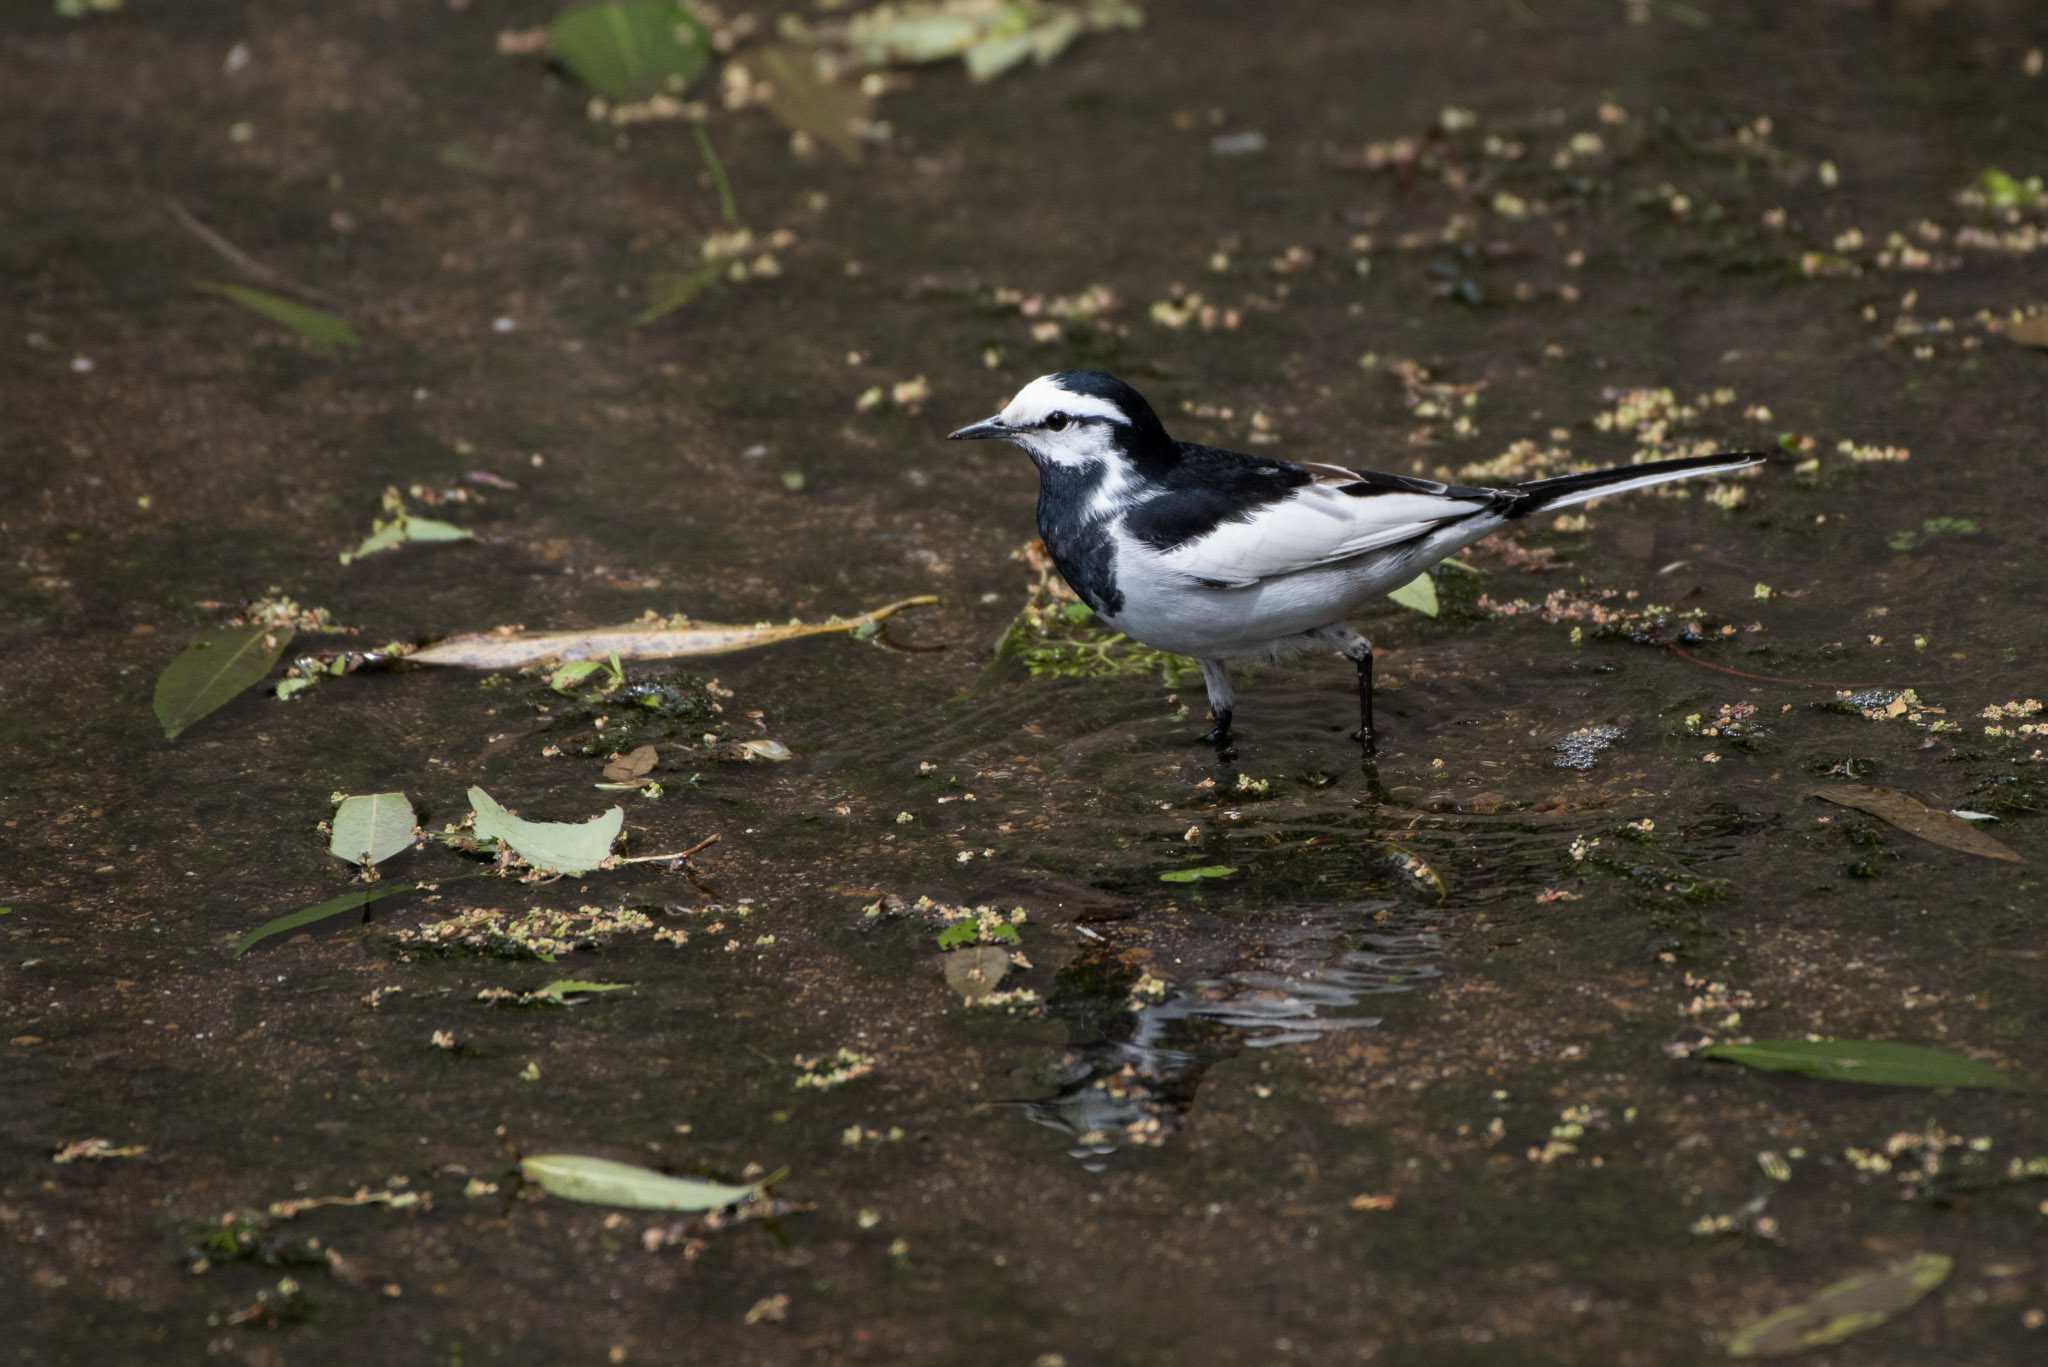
(1402, 1085)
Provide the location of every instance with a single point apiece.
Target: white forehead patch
(1044, 396)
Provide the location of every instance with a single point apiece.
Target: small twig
(883, 639)
(228, 251)
(703, 844)
(1682, 653)
(235, 256)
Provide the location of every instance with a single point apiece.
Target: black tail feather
(1539, 494)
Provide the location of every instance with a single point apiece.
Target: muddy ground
(1411, 1084)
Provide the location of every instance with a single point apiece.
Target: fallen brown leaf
(1915, 817)
(2029, 331)
(635, 763)
(975, 971)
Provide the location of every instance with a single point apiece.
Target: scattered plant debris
(561, 992)
(542, 933)
(527, 849)
(835, 1070)
(80, 1149)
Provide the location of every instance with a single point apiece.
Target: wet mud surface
(1410, 1082)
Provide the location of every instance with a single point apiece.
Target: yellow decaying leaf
(675, 639)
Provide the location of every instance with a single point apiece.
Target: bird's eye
(1056, 422)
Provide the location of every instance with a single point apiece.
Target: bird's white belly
(1165, 611)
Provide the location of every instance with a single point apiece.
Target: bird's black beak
(986, 430)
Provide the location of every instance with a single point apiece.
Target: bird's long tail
(1548, 495)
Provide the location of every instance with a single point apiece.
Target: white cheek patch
(1086, 443)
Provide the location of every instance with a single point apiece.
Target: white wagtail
(1218, 554)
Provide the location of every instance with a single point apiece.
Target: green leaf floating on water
(1877, 1062)
(321, 330)
(552, 846)
(1197, 875)
(971, 932)
(371, 828)
(630, 49)
(602, 1182)
(1848, 1307)
(390, 533)
(668, 291)
(1418, 594)
(210, 672)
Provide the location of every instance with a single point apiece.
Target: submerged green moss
(1055, 636)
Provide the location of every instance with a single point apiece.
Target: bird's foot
(1219, 734)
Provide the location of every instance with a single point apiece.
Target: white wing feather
(1316, 525)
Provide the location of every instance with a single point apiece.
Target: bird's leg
(1217, 682)
(1358, 650)
(1364, 662)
